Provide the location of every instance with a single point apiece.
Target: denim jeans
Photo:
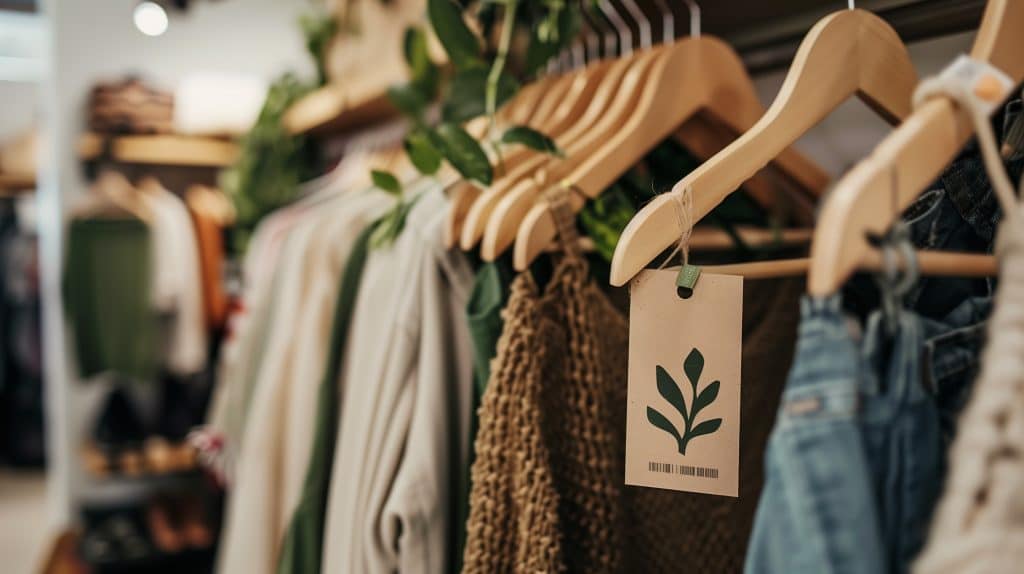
(959, 212)
(900, 426)
(857, 457)
(817, 513)
(856, 461)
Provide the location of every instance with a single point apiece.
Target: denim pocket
(825, 401)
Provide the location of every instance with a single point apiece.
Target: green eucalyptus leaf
(425, 74)
(706, 397)
(272, 161)
(319, 29)
(693, 366)
(658, 420)
(460, 43)
(408, 99)
(549, 36)
(467, 95)
(464, 153)
(390, 226)
(604, 218)
(423, 153)
(532, 139)
(384, 232)
(668, 389)
(414, 46)
(386, 181)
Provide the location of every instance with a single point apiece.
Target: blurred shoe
(165, 533)
(194, 524)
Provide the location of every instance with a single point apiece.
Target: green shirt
(302, 548)
(107, 290)
(483, 312)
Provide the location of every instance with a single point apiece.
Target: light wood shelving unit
(16, 184)
(173, 150)
(332, 110)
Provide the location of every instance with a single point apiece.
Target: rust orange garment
(211, 258)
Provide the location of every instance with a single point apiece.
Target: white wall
(259, 37)
(17, 108)
(251, 36)
(21, 64)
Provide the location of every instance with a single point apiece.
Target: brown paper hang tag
(683, 412)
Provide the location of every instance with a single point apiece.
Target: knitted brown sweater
(548, 492)
(537, 432)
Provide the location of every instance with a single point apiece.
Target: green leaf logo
(693, 366)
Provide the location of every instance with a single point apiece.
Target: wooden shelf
(12, 184)
(330, 110)
(174, 150)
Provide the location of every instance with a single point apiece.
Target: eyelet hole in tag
(686, 281)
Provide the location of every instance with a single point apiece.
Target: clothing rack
(766, 34)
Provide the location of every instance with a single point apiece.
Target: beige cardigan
(407, 384)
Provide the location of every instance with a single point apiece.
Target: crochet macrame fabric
(548, 471)
(979, 525)
(548, 490)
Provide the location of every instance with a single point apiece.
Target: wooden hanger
(629, 65)
(915, 154)
(846, 53)
(525, 104)
(462, 194)
(707, 239)
(931, 263)
(472, 228)
(569, 107)
(703, 137)
(700, 135)
(552, 98)
(579, 96)
(710, 78)
(113, 196)
(622, 105)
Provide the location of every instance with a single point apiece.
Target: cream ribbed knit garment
(979, 525)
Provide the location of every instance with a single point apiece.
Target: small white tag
(683, 412)
(988, 85)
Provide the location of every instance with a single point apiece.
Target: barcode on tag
(682, 469)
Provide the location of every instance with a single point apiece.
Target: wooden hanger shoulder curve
(818, 81)
(465, 195)
(526, 102)
(913, 155)
(697, 135)
(715, 82)
(567, 109)
(626, 73)
(116, 195)
(548, 103)
(507, 213)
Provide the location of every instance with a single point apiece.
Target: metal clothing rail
(767, 34)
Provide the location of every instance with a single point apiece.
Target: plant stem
(507, 27)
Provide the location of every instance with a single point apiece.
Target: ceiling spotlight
(150, 18)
